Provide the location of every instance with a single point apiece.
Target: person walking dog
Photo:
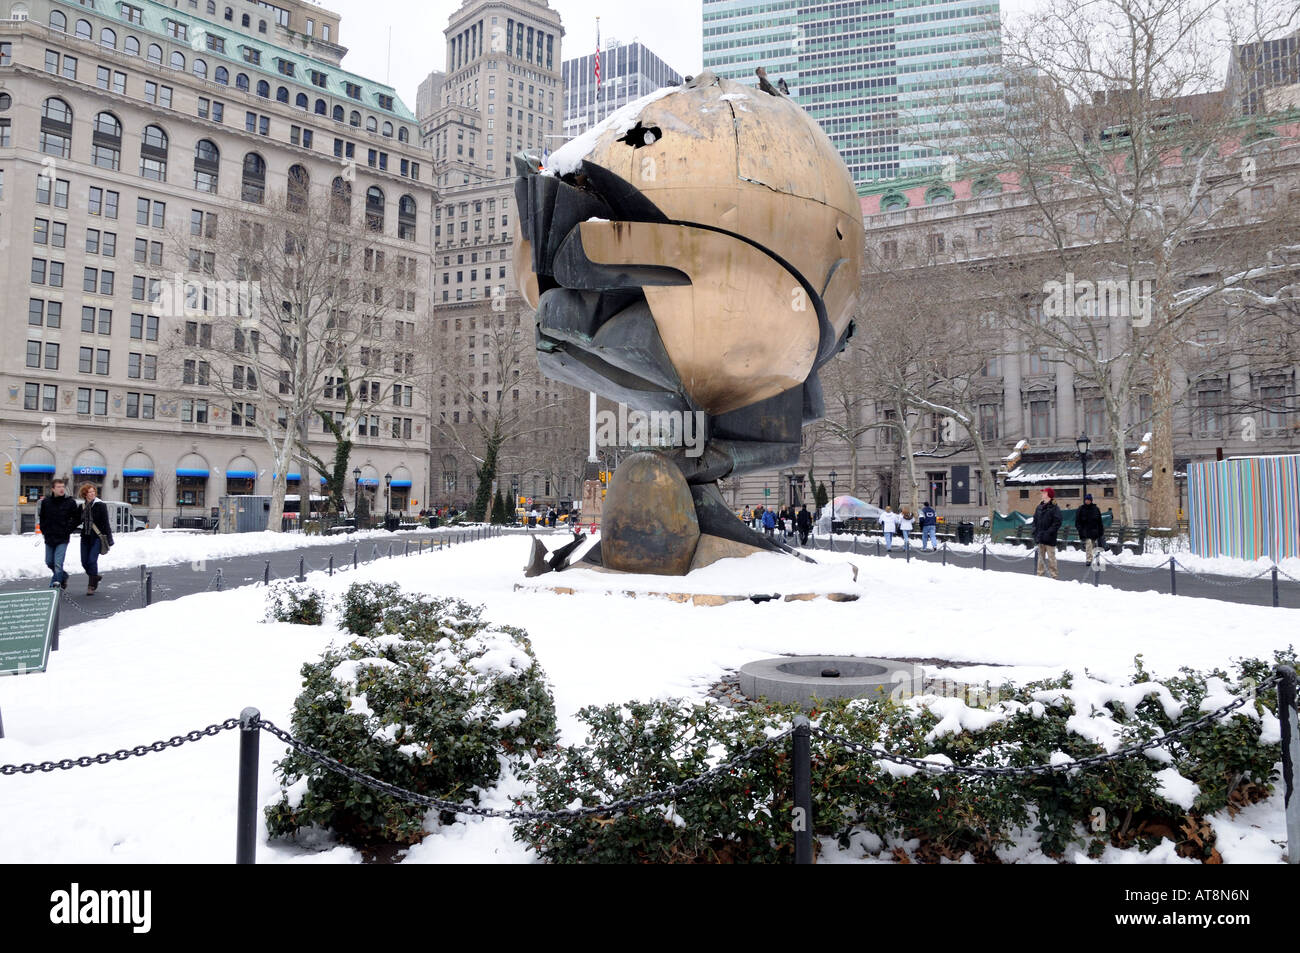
(96, 534)
(1047, 522)
(57, 518)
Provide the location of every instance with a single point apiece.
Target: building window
(1040, 418)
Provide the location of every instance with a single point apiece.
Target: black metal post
(148, 588)
(143, 570)
(246, 817)
(390, 550)
(219, 580)
(1286, 699)
(331, 565)
(984, 556)
(1035, 560)
(877, 545)
(1275, 593)
(302, 577)
(266, 574)
(802, 754)
(1173, 576)
(945, 552)
(354, 555)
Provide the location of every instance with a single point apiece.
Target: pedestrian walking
(1047, 522)
(747, 516)
(57, 517)
(803, 522)
(929, 527)
(769, 523)
(889, 525)
(1088, 522)
(96, 534)
(905, 527)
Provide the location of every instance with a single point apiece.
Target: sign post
(29, 631)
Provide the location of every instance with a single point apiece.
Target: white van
(121, 519)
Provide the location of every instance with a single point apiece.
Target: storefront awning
(147, 474)
(401, 484)
(241, 474)
(186, 472)
(89, 471)
(368, 481)
(36, 468)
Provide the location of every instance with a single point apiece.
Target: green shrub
(294, 602)
(362, 608)
(746, 815)
(429, 698)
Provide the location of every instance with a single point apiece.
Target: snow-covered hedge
(428, 697)
(295, 602)
(747, 815)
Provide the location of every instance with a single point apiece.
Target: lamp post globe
(1082, 443)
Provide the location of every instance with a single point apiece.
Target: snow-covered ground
(153, 673)
(23, 557)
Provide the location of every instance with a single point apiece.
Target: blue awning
(368, 481)
(89, 471)
(138, 473)
(401, 484)
(241, 474)
(35, 468)
(201, 474)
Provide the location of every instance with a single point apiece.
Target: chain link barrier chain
(132, 593)
(662, 796)
(1091, 761)
(122, 754)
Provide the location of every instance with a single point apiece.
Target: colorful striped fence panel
(1246, 507)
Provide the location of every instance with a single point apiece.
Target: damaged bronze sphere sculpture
(697, 254)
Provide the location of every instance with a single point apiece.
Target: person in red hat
(1047, 522)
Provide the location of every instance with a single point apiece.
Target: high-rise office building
(897, 87)
(122, 146)
(628, 71)
(502, 93)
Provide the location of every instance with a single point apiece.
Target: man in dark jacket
(1047, 521)
(803, 523)
(57, 516)
(1088, 523)
(929, 528)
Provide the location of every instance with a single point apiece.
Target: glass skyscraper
(896, 84)
(628, 71)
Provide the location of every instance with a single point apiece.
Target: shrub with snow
(430, 698)
(294, 602)
(747, 815)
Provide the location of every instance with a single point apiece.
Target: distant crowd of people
(788, 520)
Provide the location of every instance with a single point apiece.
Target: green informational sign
(29, 628)
(766, 492)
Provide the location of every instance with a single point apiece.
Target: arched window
(207, 163)
(402, 134)
(254, 180)
(939, 195)
(281, 94)
(229, 15)
(212, 8)
(243, 20)
(261, 26)
(83, 30)
(354, 118)
(200, 68)
(153, 154)
(299, 185)
(106, 142)
(300, 100)
(222, 76)
(320, 107)
(372, 124)
(893, 201)
(56, 128)
(387, 130)
(263, 89)
(406, 218)
(178, 60)
(131, 46)
(341, 201)
(108, 38)
(375, 208)
(155, 54)
(241, 81)
(58, 21)
(338, 114)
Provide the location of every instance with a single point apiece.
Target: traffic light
(9, 468)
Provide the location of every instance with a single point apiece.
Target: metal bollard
(1286, 698)
(802, 762)
(1173, 576)
(406, 547)
(1275, 593)
(877, 546)
(219, 580)
(246, 816)
(302, 577)
(143, 569)
(354, 556)
(148, 588)
(1096, 570)
(266, 574)
(390, 550)
(1035, 560)
(984, 556)
(331, 565)
(945, 552)
(144, 591)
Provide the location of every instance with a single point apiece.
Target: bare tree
(281, 315)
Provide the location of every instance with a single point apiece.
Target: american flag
(597, 57)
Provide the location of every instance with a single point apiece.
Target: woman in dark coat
(96, 532)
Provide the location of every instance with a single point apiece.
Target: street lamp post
(388, 498)
(356, 493)
(832, 475)
(1082, 444)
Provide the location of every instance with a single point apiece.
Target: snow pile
(568, 158)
